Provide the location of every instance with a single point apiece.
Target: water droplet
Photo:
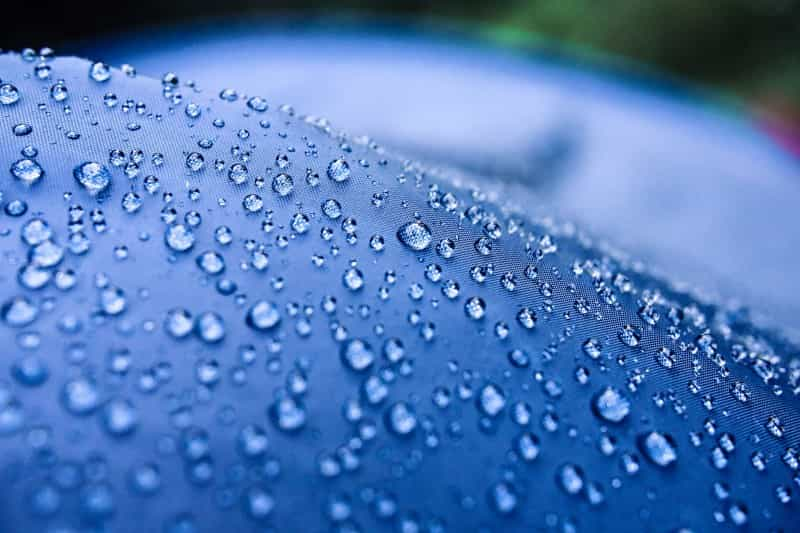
(339, 170)
(357, 355)
(527, 446)
(195, 161)
(131, 202)
(80, 396)
(611, 405)
(393, 350)
(629, 336)
(27, 171)
(210, 327)
(113, 301)
(211, 263)
(59, 92)
(9, 94)
(332, 208)
(30, 371)
(237, 173)
(353, 279)
(503, 498)
(571, 478)
(258, 503)
(19, 311)
(119, 417)
(288, 414)
(22, 129)
(283, 184)
(36, 231)
(99, 71)
(592, 348)
(526, 318)
(258, 104)
(415, 235)
(400, 419)
(93, 177)
(660, 448)
(263, 316)
(145, 479)
(179, 323)
(252, 441)
(179, 238)
(475, 308)
(492, 400)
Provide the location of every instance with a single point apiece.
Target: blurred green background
(746, 48)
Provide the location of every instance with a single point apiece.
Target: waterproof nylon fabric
(459, 468)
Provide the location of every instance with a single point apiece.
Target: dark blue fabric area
(460, 467)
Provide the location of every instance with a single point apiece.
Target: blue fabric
(69, 446)
(588, 142)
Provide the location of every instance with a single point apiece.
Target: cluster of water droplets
(418, 316)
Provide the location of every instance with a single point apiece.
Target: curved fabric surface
(527, 381)
(607, 149)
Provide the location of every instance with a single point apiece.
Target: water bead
(22, 129)
(282, 184)
(258, 104)
(93, 177)
(611, 405)
(475, 308)
(27, 171)
(179, 238)
(415, 235)
(9, 94)
(659, 448)
(195, 161)
(357, 355)
(263, 316)
(99, 72)
(339, 170)
(400, 419)
(18, 311)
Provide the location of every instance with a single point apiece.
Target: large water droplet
(475, 308)
(99, 71)
(179, 238)
(611, 405)
(211, 263)
(357, 355)
(93, 177)
(339, 170)
(570, 478)
(353, 279)
(27, 171)
(491, 400)
(283, 184)
(263, 316)
(660, 448)
(416, 235)
(19, 311)
(400, 419)
(179, 323)
(288, 414)
(9, 94)
(119, 417)
(80, 396)
(210, 327)
(503, 498)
